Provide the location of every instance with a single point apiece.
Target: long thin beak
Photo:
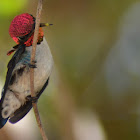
(45, 24)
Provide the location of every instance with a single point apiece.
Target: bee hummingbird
(16, 100)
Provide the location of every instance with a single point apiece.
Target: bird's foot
(34, 61)
(32, 65)
(32, 99)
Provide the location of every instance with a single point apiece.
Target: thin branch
(38, 16)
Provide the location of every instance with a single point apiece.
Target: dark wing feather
(23, 110)
(11, 65)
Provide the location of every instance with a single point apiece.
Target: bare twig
(38, 16)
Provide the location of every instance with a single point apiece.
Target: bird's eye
(18, 38)
(21, 37)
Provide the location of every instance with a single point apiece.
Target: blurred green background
(93, 92)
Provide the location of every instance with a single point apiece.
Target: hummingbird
(16, 100)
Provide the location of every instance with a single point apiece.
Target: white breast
(44, 64)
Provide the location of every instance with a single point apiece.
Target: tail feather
(2, 120)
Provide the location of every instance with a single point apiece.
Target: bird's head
(22, 29)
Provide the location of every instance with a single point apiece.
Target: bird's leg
(32, 99)
(32, 65)
(34, 61)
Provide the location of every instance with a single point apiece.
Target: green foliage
(11, 7)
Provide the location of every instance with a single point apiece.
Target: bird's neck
(29, 42)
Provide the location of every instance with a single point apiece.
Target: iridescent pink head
(21, 25)
(22, 30)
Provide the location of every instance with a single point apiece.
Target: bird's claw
(32, 65)
(32, 99)
(34, 61)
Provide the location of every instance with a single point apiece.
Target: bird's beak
(45, 24)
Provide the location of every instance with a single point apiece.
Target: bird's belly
(22, 87)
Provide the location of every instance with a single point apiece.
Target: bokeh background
(94, 90)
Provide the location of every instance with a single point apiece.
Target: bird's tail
(2, 121)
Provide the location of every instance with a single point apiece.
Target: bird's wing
(23, 110)
(11, 65)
